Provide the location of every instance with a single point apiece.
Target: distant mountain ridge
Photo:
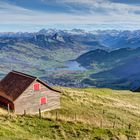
(102, 56)
(119, 68)
(107, 39)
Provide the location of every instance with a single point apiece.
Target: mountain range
(75, 57)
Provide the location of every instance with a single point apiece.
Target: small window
(43, 100)
(36, 87)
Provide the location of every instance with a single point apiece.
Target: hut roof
(15, 83)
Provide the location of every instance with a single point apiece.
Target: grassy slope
(85, 114)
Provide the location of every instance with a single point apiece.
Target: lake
(69, 65)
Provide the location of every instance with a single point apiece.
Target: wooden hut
(21, 92)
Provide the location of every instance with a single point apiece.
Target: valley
(74, 58)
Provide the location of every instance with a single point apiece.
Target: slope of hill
(97, 114)
(108, 58)
(115, 69)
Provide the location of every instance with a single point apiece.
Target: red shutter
(36, 86)
(43, 100)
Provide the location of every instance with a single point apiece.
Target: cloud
(8, 8)
(101, 6)
(72, 12)
(131, 2)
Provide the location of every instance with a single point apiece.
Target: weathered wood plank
(30, 100)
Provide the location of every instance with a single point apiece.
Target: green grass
(96, 114)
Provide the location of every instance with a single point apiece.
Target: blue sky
(32, 15)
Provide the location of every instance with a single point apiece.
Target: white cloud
(103, 5)
(8, 8)
(116, 13)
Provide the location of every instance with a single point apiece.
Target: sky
(33, 15)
